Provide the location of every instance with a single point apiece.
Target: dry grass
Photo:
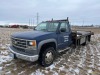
(95, 30)
(5, 34)
(84, 60)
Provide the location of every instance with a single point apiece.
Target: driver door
(63, 36)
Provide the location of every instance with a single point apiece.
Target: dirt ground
(84, 60)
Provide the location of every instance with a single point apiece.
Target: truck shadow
(67, 53)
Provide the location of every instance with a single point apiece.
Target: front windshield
(47, 26)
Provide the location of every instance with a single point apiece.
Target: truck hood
(30, 35)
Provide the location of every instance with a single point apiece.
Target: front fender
(46, 41)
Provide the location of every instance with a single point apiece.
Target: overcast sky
(78, 11)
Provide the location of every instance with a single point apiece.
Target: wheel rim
(49, 57)
(87, 41)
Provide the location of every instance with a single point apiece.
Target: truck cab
(61, 32)
(43, 43)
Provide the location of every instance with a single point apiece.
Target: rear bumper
(31, 58)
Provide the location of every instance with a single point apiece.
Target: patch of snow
(70, 69)
(8, 73)
(51, 67)
(7, 64)
(46, 71)
(4, 58)
(61, 68)
(77, 70)
(7, 45)
(3, 46)
(38, 72)
(4, 52)
(55, 73)
(98, 54)
(21, 72)
(68, 59)
(79, 65)
(92, 57)
(96, 49)
(89, 71)
(98, 44)
(98, 65)
(0, 68)
(91, 65)
(83, 57)
(98, 68)
(57, 62)
(11, 55)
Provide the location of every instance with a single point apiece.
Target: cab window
(64, 25)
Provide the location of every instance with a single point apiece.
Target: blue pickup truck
(46, 40)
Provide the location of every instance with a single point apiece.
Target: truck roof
(63, 20)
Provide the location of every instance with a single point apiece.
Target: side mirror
(63, 30)
(34, 28)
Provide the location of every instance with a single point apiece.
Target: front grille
(19, 43)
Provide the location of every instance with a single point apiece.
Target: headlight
(32, 43)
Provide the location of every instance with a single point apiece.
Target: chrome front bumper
(23, 56)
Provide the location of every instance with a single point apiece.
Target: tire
(47, 57)
(86, 42)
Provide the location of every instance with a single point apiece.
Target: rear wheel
(86, 41)
(47, 57)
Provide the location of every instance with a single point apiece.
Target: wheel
(86, 42)
(15, 56)
(47, 57)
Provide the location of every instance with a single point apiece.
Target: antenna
(37, 18)
(52, 19)
(68, 19)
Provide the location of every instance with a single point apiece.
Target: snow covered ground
(84, 60)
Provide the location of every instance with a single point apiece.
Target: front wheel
(47, 57)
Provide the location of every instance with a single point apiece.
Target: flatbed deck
(81, 37)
